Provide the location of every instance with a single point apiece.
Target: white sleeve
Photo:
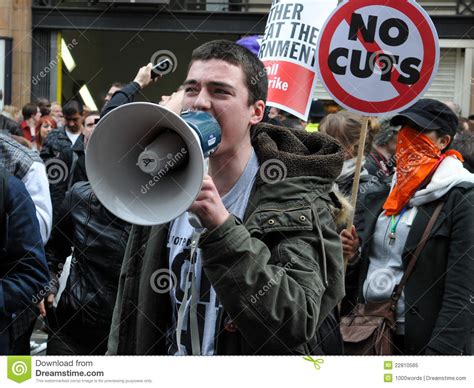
(36, 182)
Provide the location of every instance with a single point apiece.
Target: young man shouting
(268, 269)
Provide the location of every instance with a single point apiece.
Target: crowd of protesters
(270, 265)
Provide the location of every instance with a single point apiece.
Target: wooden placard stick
(360, 157)
(355, 184)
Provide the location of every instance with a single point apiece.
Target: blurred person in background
(44, 126)
(85, 110)
(274, 113)
(80, 323)
(74, 161)
(380, 162)
(316, 114)
(464, 143)
(90, 122)
(471, 123)
(115, 87)
(463, 125)
(12, 112)
(273, 116)
(346, 127)
(44, 106)
(31, 115)
(57, 114)
(454, 106)
(83, 227)
(293, 122)
(8, 123)
(64, 137)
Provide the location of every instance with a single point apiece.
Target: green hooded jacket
(278, 273)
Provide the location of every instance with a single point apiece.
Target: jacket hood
(449, 174)
(302, 153)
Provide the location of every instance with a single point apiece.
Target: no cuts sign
(377, 57)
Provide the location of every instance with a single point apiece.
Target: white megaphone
(146, 164)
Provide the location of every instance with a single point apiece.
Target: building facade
(62, 49)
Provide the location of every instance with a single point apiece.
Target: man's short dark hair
(72, 107)
(254, 72)
(29, 110)
(42, 101)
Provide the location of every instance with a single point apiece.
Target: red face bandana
(417, 159)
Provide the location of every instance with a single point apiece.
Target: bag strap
(190, 286)
(414, 256)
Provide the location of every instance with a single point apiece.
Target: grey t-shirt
(179, 241)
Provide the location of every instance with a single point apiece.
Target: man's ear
(258, 112)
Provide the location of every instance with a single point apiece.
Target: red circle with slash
(406, 94)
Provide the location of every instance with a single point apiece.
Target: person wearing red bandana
(434, 314)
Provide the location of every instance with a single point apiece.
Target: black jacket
(99, 240)
(56, 142)
(438, 309)
(73, 164)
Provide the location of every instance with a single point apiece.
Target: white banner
(288, 50)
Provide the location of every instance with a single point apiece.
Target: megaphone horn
(146, 164)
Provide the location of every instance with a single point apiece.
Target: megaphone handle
(194, 221)
(192, 217)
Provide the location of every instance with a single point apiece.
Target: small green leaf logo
(19, 368)
(316, 362)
